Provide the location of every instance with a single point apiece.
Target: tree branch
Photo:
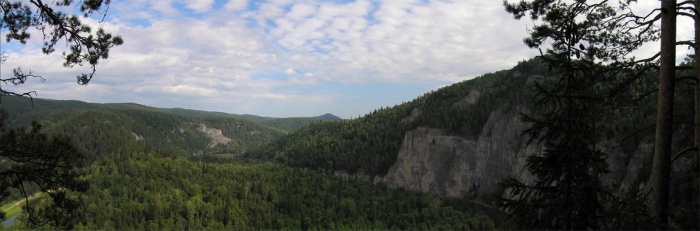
(686, 14)
(686, 150)
(686, 42)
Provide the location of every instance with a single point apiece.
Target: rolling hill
(461, 140)
(103, 128)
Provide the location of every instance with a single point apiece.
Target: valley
(592, 124)
(431, 163)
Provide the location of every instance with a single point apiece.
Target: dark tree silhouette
(590, 75)
(29, 158)
(86, 46)
(661, 169)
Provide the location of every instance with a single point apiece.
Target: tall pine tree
(590, 74)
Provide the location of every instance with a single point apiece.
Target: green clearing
(15, 207)
(10, 210)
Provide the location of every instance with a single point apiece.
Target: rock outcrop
(434, 162)
(216, 136)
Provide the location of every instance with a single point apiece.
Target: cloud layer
(286, 58)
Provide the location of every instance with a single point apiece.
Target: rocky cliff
(216, 135)
(434, 162)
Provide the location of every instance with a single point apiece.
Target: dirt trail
(21, 201)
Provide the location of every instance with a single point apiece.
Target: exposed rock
(517, 74)
(415, 113)
(533, 78)
(137, 136)
(469, 100)
(216, 136)
(431, 161)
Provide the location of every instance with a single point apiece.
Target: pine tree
(53, 164)
(567, 192)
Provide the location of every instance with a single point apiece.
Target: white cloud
(290, 71)
(200, 6)
(236, 5)
(164, 7)
(213, 61)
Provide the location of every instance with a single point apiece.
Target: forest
(217, 191)
(587, 102)
(283, 184)
(165, 192)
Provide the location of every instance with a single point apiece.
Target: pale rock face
(434, 162)
(137, 136)
(430, 161)
(471, 99)
(216, 136)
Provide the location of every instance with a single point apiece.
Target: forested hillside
(370, 144)
(461, 140)
(168, 183)
(167, 192)
(147, 171)
(100, 129)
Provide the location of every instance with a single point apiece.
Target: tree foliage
(31, 159)
(100, 129)
(588, 51)
(166, 192)
(56, 23)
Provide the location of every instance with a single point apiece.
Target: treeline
(138, 189)
(368, 144)
(463, 108)
(99, 129)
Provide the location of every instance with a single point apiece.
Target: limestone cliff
(216, 135)
(434, 162)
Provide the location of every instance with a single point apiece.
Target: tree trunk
(664, 116)
(697, 76)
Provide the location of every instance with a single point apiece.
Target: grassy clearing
(15, 207)
(12, 211)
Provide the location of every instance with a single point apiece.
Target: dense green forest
(168, 192)
(370, 144)
(103, 128)
(171, 178)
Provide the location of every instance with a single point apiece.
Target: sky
(284, 58)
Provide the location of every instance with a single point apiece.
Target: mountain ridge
(56, 104)
(457, 141)
(462, 139)
(100, 129)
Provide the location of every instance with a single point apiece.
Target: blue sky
(285, 58)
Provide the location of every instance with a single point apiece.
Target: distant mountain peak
(328, 116)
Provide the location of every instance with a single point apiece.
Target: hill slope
(464, 138)
(103, 128)
(370, 144)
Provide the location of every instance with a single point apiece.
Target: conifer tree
(86, 46)
(30, 158)
(589, 44)
(27, 156)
